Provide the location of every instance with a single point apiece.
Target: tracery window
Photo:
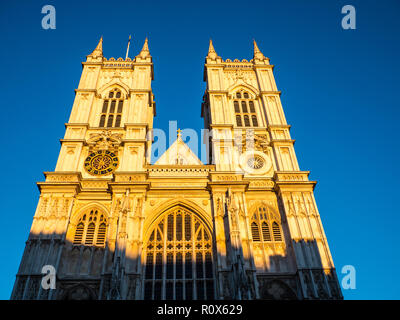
(179, 259)
(111, 112)
(245, 111)
(91, 229)
(264, 227)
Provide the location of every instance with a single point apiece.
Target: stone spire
(258, 55)
(212, 54)
(98, 51)
(145, 53)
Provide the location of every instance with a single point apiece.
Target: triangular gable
(178, 154)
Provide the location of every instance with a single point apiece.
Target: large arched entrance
(178, 258)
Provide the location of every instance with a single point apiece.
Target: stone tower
(111, 225)
(73, 228)
(276, 231)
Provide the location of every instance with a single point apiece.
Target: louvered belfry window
(91, 229)
(111, 112)
(178, 258)
(245, 111)
(264, 227)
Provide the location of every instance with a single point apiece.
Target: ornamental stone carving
(106, 140)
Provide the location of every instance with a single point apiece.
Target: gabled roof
(179, 154)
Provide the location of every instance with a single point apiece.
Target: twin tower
(110, 224)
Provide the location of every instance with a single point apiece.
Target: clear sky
(340, 93)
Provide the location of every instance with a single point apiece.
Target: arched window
(101, 235)
(264, 226)
(90, 233)
(238, 120)
(245, 110)
(236, 105)
(254, 120)
(102, 120)
(112, 109)
(244, 107)
(178, 258)
(91, 229)
(276, 231)
(265, 231)
(255, 231)
(246, 120)
(79, 233)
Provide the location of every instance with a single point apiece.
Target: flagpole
(127, 49)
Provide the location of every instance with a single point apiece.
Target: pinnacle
(145, 52)
(258, 55)
(212, 54)
(211, 47)
(98, 51)
(256, 50)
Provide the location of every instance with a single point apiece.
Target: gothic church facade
(115, 226)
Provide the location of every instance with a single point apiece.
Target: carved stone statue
(106, 140)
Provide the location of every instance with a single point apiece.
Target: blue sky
(339, 92)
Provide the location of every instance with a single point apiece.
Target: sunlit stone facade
(115, 226)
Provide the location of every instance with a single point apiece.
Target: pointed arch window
(245, 111)
(238, 120)
(91, 229)
(254, 120)
(246, 120)
(111, 112)
(178, 258)
(264, 226)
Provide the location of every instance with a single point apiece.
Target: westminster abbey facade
(113, 225)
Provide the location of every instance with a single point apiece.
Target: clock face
(101, 163)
